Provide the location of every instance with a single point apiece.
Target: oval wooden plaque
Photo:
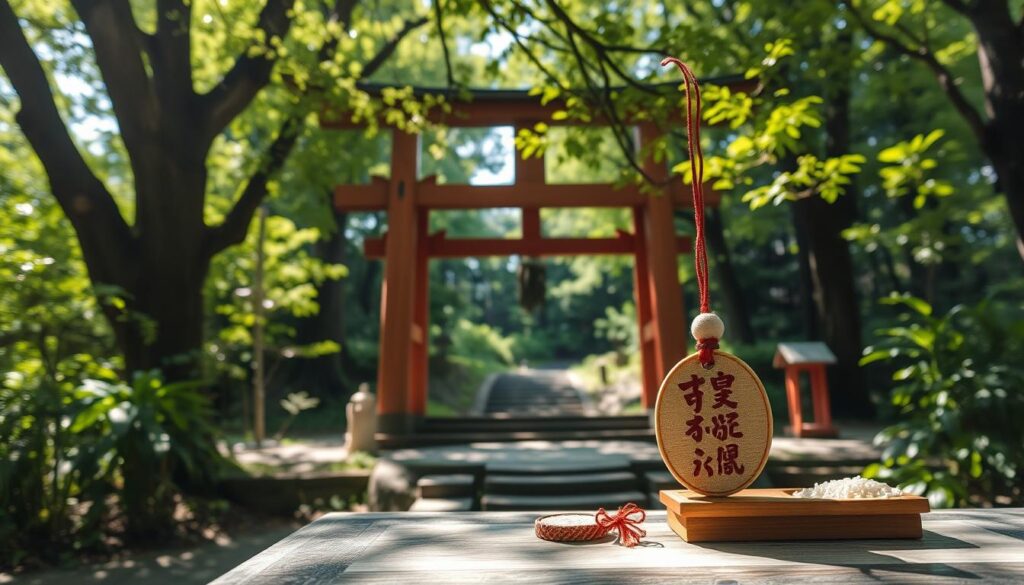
(714, 427)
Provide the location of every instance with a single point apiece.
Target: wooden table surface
(971, 546)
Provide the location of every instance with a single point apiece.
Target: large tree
(922, 32)
(159, 259)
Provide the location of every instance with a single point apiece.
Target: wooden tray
(774, 514)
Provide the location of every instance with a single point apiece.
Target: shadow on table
(866, 556)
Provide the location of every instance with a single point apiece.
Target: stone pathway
(532, 392)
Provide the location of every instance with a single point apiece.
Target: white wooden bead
(707, 325)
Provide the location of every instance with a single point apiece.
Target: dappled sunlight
(468, 544)
(282, 257)
(197, 565)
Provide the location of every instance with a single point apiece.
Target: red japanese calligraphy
(695, 397)
(700, 461)
(694, 427)
(722, 385)
(726, 426)
(728, 463)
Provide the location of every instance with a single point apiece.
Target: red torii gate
(407, 247)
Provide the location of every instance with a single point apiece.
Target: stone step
(442, 505)
(505, 422)
(526, 405)
(537, 485)
(588, 502)
(445, 486)
(566, 466)
(661, 480)
(397, 441)
(528, 409)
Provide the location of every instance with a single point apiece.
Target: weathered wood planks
(473, 547)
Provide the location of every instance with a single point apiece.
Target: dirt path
(173, 566)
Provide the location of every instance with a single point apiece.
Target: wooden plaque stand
(774, 514)
(811, 358)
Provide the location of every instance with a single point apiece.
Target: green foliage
(828, 178)
(480, 343)
(907, 171)
(768, 129)
(619, 326)
(930, 224)
(294, 404)
(147, 442)
(52, 336)
(292, 274)
(957, 436)
(35, 485)
(71, 450)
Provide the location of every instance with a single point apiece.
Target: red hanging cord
(705, 346)
(693, 117)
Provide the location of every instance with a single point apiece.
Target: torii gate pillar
(664, 306)
(396, 310)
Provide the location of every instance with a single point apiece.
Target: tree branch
(509, 28)
(170, 50)
(943, 75)
(233, 229)
(438, 17)
(386, 51)
(248, 75)
(602, 52)
(118, 45)
(102, 232)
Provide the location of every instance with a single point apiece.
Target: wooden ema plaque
(774, 514)
(714, 430)
(714, 426)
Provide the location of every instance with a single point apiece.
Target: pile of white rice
(849, 488)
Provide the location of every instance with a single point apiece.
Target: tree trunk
(1001, 57)
(1009, 168)
(166, 272)
(808, 311)
(832, 271)
(835, 301)
(725, 275)
(164, 329)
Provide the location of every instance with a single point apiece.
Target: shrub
(959, 400)
(148, 441)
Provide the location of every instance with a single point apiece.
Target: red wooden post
(396, 297)
(420, 334)
(819, 395)
(642, 296)
(529, 171)
(796, 418)
(667, 315)
(810, 358)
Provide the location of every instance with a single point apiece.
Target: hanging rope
(707, 328)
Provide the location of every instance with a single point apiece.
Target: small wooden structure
(407, 246)
(808, 357)
(774, 514)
